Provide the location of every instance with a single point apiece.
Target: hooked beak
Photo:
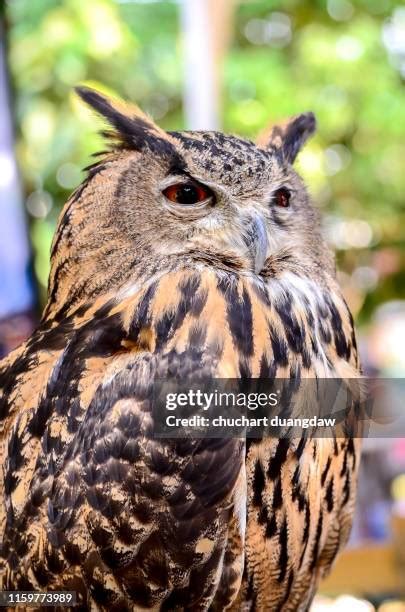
(257, 242)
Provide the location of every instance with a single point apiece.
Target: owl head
(156, 200)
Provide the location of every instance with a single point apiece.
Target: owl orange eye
(187, 193)
(282, 197)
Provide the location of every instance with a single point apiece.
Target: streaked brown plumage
(141, 288)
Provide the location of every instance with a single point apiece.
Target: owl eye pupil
(187, 193)
(282, 197)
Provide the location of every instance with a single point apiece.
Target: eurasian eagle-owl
(192, 251)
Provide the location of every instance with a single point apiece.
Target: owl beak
(257, 242)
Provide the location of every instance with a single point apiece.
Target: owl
(182, 254)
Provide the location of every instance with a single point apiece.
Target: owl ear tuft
(132, 128)
(289, 137)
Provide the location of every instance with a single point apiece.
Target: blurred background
(234, 65)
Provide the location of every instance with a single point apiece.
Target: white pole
(201, 103)
(16, 293)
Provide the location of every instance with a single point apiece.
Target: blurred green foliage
(341, 59)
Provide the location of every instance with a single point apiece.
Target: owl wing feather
(92, 501)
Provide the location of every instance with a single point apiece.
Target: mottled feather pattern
(91, 501)
(85, 435)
